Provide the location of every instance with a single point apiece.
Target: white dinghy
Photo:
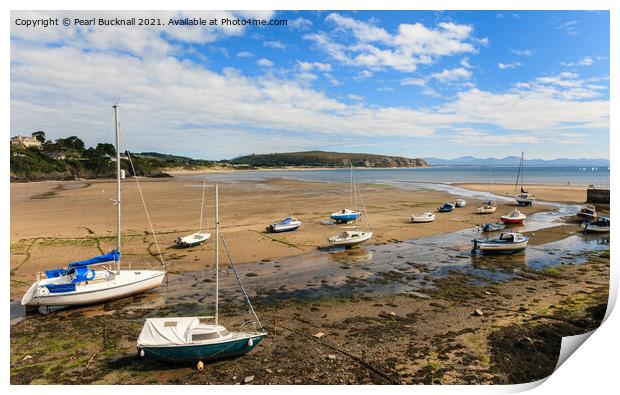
(98, 279)
(199, 237)
(426, 217)
(601, 225)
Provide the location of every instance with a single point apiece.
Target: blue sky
(410, 83)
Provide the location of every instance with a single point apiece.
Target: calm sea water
(448, 174)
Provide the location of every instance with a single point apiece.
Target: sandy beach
(549, 193)
(53, 223)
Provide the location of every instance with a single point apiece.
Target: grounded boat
(426, 217)
(199, 237)
(492, 227)
(460, 203)
(446, 208)
(194, 338)
(486, 208)
(513, 217)
(524, 198)
(97, 279)
(602, 224)
(347, 215)
(286, 225)
(505, 243)
(587, 213)
(350, 238)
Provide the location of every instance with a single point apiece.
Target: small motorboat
(350, 238)
(345, 215)
(286, 225)
(513, 217)
(524, 199)
(486, 208)
(192, 240)
(492, 227)
(587, 213)
(460, 203)
(506, 243)
(426, 217)
(446, 208)
(602, 224)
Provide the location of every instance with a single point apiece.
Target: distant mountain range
(514, 161)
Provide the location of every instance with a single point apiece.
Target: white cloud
(413, 81)
(504, 66)
(370, 46)
(448, 75)
(522, 52)
(587, 61)
(245, 54)
(355, 97)
(264, 62)
(308, 66)
(300, 23)
(274, 44)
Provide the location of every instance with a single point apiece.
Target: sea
(580, 176)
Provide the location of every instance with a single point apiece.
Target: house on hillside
(25, 141)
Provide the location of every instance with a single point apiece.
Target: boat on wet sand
(200, 338)
(350, 238)
(506, 243)
(523, 198)
(97, 279)
(460, 203)
(286, 225)
(602, 224)
(513, 217)
(347, 215)
(195, 239)
(492, 227)
(446, 208)
(486, 208)
(426, 217)
(587, 213)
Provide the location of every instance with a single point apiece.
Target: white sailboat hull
(350, 241)
(105, 287)
(486, 210)
(423, 218)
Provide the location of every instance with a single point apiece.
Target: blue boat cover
(286, 221)
(59, 288)
(110, 256)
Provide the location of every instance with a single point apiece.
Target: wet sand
(53, 223)
(549, 193)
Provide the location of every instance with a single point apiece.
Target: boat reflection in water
(350, 256)
(512, 263)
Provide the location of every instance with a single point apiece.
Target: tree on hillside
(72, 143)
(39, 135)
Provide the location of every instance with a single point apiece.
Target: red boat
(514, 217)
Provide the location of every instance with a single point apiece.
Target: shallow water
(405, 267)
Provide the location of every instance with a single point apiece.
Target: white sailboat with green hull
(200, 338)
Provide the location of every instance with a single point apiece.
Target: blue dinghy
(345, 215)
(446, 208)
(286, 225)
(492, 227)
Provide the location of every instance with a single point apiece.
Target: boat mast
(519, 172)
(217, 254)
(351, 193)
(118, 186)
(202, 202)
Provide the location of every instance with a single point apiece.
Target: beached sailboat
(196, 338)
(506, 243)
(513, 217)
(286, 225)
(601, 225)
(347, 215)
(97, 279)
(523, 198)
(426, 217)
(487, 207)
(199, 237)
(352, 238)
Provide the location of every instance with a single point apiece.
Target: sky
(407, 83)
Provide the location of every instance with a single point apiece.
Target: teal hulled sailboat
(199, 338)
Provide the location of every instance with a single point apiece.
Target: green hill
(326, 159)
